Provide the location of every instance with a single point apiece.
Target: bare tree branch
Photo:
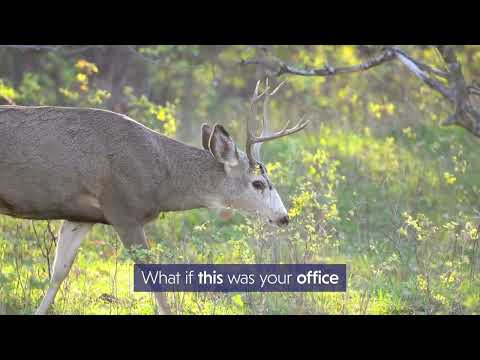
(422, 66)
(33, 47)
(465, 114)
(279, 67)
(450, 83)
(413, 66)
(60, 48)
(474, 90)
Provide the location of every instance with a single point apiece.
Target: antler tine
(278, 87)
(265, 122)
(286, 126)
(254, 142)
(250, 138)
(302, 124)
(256, 97)
(253, 104)
(255, 93)
(254, 100)
(266, 117)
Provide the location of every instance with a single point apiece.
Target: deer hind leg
(70, 238)
(134, 236)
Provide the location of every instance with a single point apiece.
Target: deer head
(247, 186)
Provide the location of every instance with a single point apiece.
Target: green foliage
(157, 117)
(7, 92)
(79, 91)
(32, 90)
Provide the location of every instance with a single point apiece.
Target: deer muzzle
(283, 221)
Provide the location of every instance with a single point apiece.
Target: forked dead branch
(449, 82)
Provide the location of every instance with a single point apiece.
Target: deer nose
(283, 221)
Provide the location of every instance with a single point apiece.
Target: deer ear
(223, 147)
(206, 132)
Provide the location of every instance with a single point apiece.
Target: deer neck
(196, 179)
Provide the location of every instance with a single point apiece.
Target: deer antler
(254, 142)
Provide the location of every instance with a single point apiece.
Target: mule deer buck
(87, 166)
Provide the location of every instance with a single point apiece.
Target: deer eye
(259, 185)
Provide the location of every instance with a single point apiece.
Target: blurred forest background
(375, 181)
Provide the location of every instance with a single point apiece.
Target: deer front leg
(134, 237)
(69, 240)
